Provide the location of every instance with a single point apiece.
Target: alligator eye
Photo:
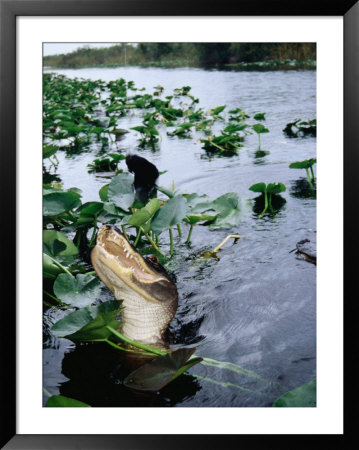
(153, 259)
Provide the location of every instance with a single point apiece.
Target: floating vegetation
(307, 164)
(299, 128)
(269, 190)
(259, 128)
(106, 164)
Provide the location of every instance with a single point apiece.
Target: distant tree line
(191, 54)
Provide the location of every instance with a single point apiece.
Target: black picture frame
(9, 10)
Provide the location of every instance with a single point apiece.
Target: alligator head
(149, 296)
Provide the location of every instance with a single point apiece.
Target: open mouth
(112, 245)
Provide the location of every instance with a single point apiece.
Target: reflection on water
(255, 306)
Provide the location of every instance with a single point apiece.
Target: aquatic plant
(267, 191)
(259, 128)
(304, 396)
(106, 164)
(299, 128)
(307, 164)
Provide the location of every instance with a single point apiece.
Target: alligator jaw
(114, 252)
(149, 296)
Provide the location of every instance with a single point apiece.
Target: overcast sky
(59, 48)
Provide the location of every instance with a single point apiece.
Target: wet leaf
(259, 116)
(258, 187)
(217, 110)
(304, 396)
(260, 128)
(120, 190)
(49, 239)
(54, 247)
(49, 150)
(55, 203)
(103, 193)
(275, 188)
(156, 374)
(170, 214)
(60, 401)
(78, 292)
(306, 164)
(141, 216)
(90, 209)
(230, 210)
(49, 268)
(89, 323)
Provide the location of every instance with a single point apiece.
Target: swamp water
(255, 307)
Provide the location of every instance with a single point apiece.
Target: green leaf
(170, 214)
(193, 219)
(89, 323)
(49, 150)
(306, 164)
(120, 190)
(260, 128)
(217, 110)
(258, 187)
(117, 157)
(259, 116)
(90, 209)
(78, 292)
(233, 128)
(198, 203)
(54, 247)
(50, 269)
(50, 236)
(55, 203)
(275, 188)
(156, 374)
(304, 396)
(230, 209)
(60, 401)
(103, 193)
(141, 216)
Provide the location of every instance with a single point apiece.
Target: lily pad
(260, 128)
(302, 397)
(55, 203)
(60, 401)
(121, 191)
(258, 187)
(230, 210)
(141, 216)
(156, 374)
(89, 209)
(89, 323)
(275, 188)
(49, 268)
(50, 237)
(306, 164)
(80, 291)
(170, 214)
(49, 150)
(103, 193)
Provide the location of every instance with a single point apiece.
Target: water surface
(256, 305)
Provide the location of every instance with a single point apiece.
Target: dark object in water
(307, 251)
(146, 175)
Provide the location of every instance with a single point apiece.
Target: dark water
(254, 307)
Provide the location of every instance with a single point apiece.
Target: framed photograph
(171, 278)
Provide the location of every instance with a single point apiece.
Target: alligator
(149, 296)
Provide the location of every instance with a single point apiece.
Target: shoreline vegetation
(235, 56)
